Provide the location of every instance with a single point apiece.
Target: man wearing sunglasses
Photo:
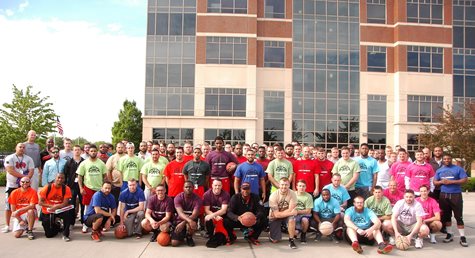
(52, 167)
(23, 203)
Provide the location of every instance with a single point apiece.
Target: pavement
(81, 245)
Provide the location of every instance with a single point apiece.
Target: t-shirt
(430, 206)
(197, 172)
(384, 175)
(22, 199)
(326, 210)
(406, 213)
(278, 169)
(363, 219)
(251, 173)
(111, 166)
(21, 165)
(215, 201)
(218, 161)
(99, 199)
(281, 202)
(55, 196)
(340, 193)
(304, 201)
(187, 204)
(154, 171)
(393, 197)
(325, 176)
(66, 155)
(398, 172)
(176, 180)
(263, 162)
(380, 208)
(93, 173)
(130, 167)
(419, 175)
(307, 170)
(51, 169)
(346, 168)
(187, 158)
(368, 167)
(159, 207)
(131, 200)
(451, 172)
(32, 150)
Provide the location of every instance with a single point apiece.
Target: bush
(470, 185)
(3, 178)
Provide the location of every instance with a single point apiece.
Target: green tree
(80, 141)
(455, 133)
(27, 111)
(129, 125)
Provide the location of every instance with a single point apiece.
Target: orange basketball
(402, 243)
(163, 239)
(120, 232)
(231, 166)
(248, 219)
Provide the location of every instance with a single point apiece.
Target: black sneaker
(189, 241)
(318, 237)
(154, 236)
(30, 235)
(449, 238)
(292, 243)
(443, 230)
(303, 238)
(463, 241)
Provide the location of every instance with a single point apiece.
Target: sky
(88, 56)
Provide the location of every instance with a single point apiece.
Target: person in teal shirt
(52, 167)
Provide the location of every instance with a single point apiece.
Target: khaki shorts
(16, 222)
(405, 229)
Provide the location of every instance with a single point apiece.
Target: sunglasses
(54, 152)
(25, 182)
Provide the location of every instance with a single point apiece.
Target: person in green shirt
(381, 206)
(152, 172)
(130, 166)
(304, 210)
(349, 171)
(278, 168)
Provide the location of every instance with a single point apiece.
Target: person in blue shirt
(326, 208)
(363, 227)
(132, 209)
(450, 178)
(338, 192)
(251, 172)
(100, 213)
(52, 167)
(368, 172)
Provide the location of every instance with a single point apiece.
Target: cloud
(23, 6)
(9, 12)
(87, 72)
(114, 27)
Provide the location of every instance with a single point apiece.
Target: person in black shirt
(71, 179)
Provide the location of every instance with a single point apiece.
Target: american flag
(59, 126)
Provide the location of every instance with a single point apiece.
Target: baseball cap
(245, 186)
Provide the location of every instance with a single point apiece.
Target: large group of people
(361, 196)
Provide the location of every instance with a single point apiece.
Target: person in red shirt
(173, 172)
(307, 170)
(188, 151)
(289, 154)
(23, 206)
(239, 153)
(261, 157)
(325, 165)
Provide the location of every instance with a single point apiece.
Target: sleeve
(34, 197)
(112, 201)
(309, 202)
(388, 210)
(42, 193)
(437, 174)
(176, 201)
(270, 168)
(166, 171)
(31, 164)
(109, 164)
(262, 174)
(273, 201)
(144, 169)
(349, 212)
(170, 205)
(80, 171)
(396, 208)
(335, 168)
(206, 201)
(291, 167)
(96, 200)
(140, 163)
(185, 168)
(435, 206)
(103, 167)
(198, 203)
(345, 195)
(316, 207)
(238, 172)
(122, 197)
(232, 205)
(371, 214)
(336, 206)
(67, 193)
(141, 196)
(12, 199)
(9, 162)
(317, 170)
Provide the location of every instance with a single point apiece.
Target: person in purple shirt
(251, 172)
(159, 213)
(215, 203)
(218, 159)
(187, 206)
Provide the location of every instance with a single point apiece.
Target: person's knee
(175, 243)
(424, 231)
(18, 234)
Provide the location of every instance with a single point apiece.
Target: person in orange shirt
(53, 197)
(23, 205)
(174, 177)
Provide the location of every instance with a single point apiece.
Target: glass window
(226, 50)
(425, 59)
(231, 136)
(425, 11)
(376, 59)
(423, 108)
(162, 21)
(227, 6)
(376, 11)
(225, 102)
(173, 135)
(274, 9)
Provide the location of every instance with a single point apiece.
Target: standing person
(187, 206)
(131, 209)
(143, 153)
(129, 166)
(174, 177)
(398, 170)
(53, 197)
(335, 155)
(171, 152)
(113, 173)
(71, 180)
(159, 213)
(431, 218)
(17, 165)
(261, 157)
(100, 215)
(338, 192)
(419, 173)
(152, 173)
(252, 173)
(363, 227)
(32, 150)
(368, 172)
(326, 208)
(85, 150)
(187, 151)
(278, 168)
(304, 210)
(450, 178)
(197, 171)
(52, 167)
(349, 171)
(215, 203)
(23, 202)
(270, 153)
(436, 162)
(289, 153)
(282, 204)
(384, 175)
(103, 152)
(218, 159)
(240, 155)
(205, 148)
(393, 193)
(306, 169)
(91, 175)
(67, 152)
(45, 154)
(326, 166)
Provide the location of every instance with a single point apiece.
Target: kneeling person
(187, 205)
(304, 210)
(131, 209)
(326, 208)
(159, 213)
(431, 218)
(23, 206)
(101, 212)
(381, 206)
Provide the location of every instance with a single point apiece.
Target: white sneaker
(419, 243)
(432, 239)
(84, 228)
(5, 229)
(392, 241)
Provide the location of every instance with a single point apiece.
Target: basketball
(326, 228)
(402, 243)
(163, 239)
(230, 167)
(248, 219)
(120, 232)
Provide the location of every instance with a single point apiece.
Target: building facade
(323, 72)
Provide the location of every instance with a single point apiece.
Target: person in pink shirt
(393, 193)
(419, 173)
(398, 169)
(431, 219)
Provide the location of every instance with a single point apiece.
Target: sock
(462, 232)
(450, 230)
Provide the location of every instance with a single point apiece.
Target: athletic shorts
(298, 220)
(405, 229)
(92, 218)
(8, 191)
(87, 197)
(16, 222)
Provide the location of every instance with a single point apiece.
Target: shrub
(3, 178)
(470, 185)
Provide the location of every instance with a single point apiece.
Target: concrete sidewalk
(82, 245)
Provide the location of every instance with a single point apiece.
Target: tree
(27, 111)
(455, 133)
(129, 125)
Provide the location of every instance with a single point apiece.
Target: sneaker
(303, 238)
(443, 230)
(384, 248)
(432, 239)
(154, 236)
(95, 236)
(189, 241)
(272, 240)
(66, 239)
(254, 241)
(292, 243)
(449, 238)
(30, 235)
(419, 243)
(334, 238)
(463, 241)
(84, 228)
(356, 247)
(6, 229)
(318, 237)
(392, 241)
(138, 235)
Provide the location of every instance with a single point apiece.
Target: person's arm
(316, 217)
(262, 181)
(349, 223)
(352, 180)
(436, 217)
(98, 210)
(336, 219)
(305, 211)
(81, 185)
(182, 215)
(375, 179)
(376, 225)
(148, 216)
(394, 224)
(44, 176)
(237, 182)
(122, 213)
(168, 217)
(317, 185)
(232, 205)
(145, 181)
(291, 211)
(417, 227)
(272, 180)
